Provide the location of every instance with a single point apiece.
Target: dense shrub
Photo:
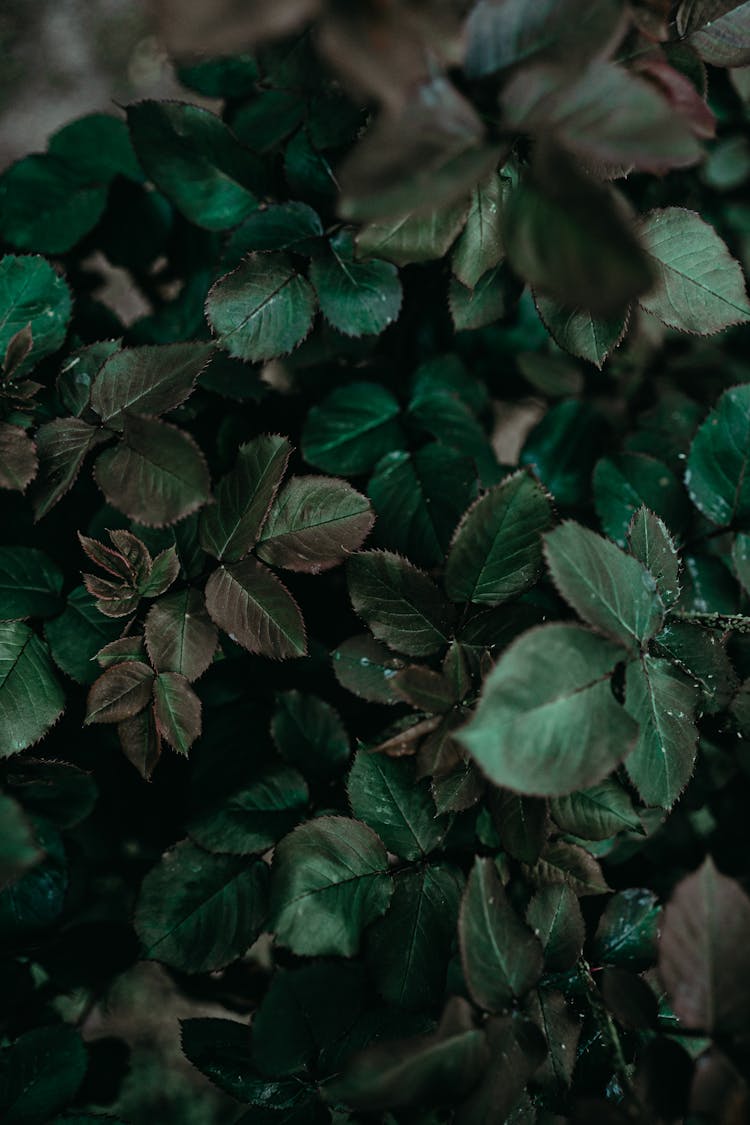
(374, 578)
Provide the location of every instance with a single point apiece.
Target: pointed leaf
(157, 475)
(264, 308)
(480, 246)
(555, 917)
(566, 863)
(77, 635)
(31, 699)
(309, 733)
(579, 332)
(501, 957)
(496, 552)
(610, 590)
(314, 524)
(177, 711)
(198, 912)
(180, 637)
(626, 482)
(119, 693)
(356, 298)
(147, 380)
(249, 603)
(413, 237)
(650, 543)
(40, 1073)
(384, 793)
(628, 930)
(717, 476)
(662, 700)
(699, 287)
(400, 603)
(330, 880)
(230, 527)
(704, 952)
(30, 584)
(547, 721)
(351, 429)
(140, 741)
(718, 31)
(18, 458)
(62, 446)
(596, 813)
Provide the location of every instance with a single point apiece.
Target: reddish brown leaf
(119, 693)
(18, 461)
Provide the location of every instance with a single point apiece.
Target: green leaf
(58, 791)
(547, 721)
(77, 635)
(140, 741)
(46, 206)
(522, 823)
(662, 701)
(119, 693)
(596, 813)
(384, 793)
(195, 159)
(31, 699)
(555, 917)
(516, 1047)
(718, 32)
(251, 820)
(147, 380)
(701, 653)
(501, 957)
(220, 1049)
(561, 1022)
(501, 35)
(264, 308)
(19, 850)
(704, 952)
(230, 527)
(255, 608)
(35, 902)
(563, 448)
(309, 733)
(280, 226)
(314, 524)
(199, 912)
(717, 477)
(597, 264)
(610, 590)
(40, 1073)
(433, 1068)
(476, 308)
(496, 552)
(699, 286)
(18, 458)
(98, 147)
(628, 481)
(741, 560)
(157, 475)
(449, 419)
(419, 498)
(579, 332)
(30, 584)
(177, 711)
(400, 603)
(180, 637)
(330, 880)
(628, 929)
(644, 133)
(32, 295)
(356, 298)
(413, 237)
(480, 245)
(62, 446)
(351, 429)
(409, 947)
(366, 668)
(650, 543)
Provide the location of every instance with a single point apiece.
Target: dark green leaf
(357, 298)
(413, 237)
(330, 880)
(596, 813)
(352, 429)
(254, 607)
(566, 863)
(198, 912)
(59, 791)
(610, 590)
(384, 793)
(662, 701)
(40, 1072)
(180, 637)
(522, 823)
(480, 246)
(46, 205)
(314, 524)
(31, 699)
(251, 820)
(36, 900)
(629, 481)
(30, 584)
(33, 295)
(628, 929)
(563, 448)
(501, 957)
(98, 147)
(476, 308)
(77, 635)
(19, 850)
(401, 604)
(496, 552)
(555, 917)
(547, 721)
(147, 380)
(516, 1049)
(264, 308)
(308, 732)
(717, 477)
(365, 667)
(62, 446)
(194, 158)
(220, 1049)
(280, 226)
(580, 333)
(177, 711)
(650, 542)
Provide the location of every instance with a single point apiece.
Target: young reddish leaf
(501, 957)
(18, 458)
(108, 558)
(230, 527)
(177, 711)
(262, 309)
(561, 862)
(314, 524)
(681, 94)
(719, 30)
(119, 693)
(249, 603)
(157, 475)
(704, 952)
(140, 741)
(147, 380)
(180, 636)
(62, 446)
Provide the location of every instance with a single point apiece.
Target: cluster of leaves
(450, 823)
